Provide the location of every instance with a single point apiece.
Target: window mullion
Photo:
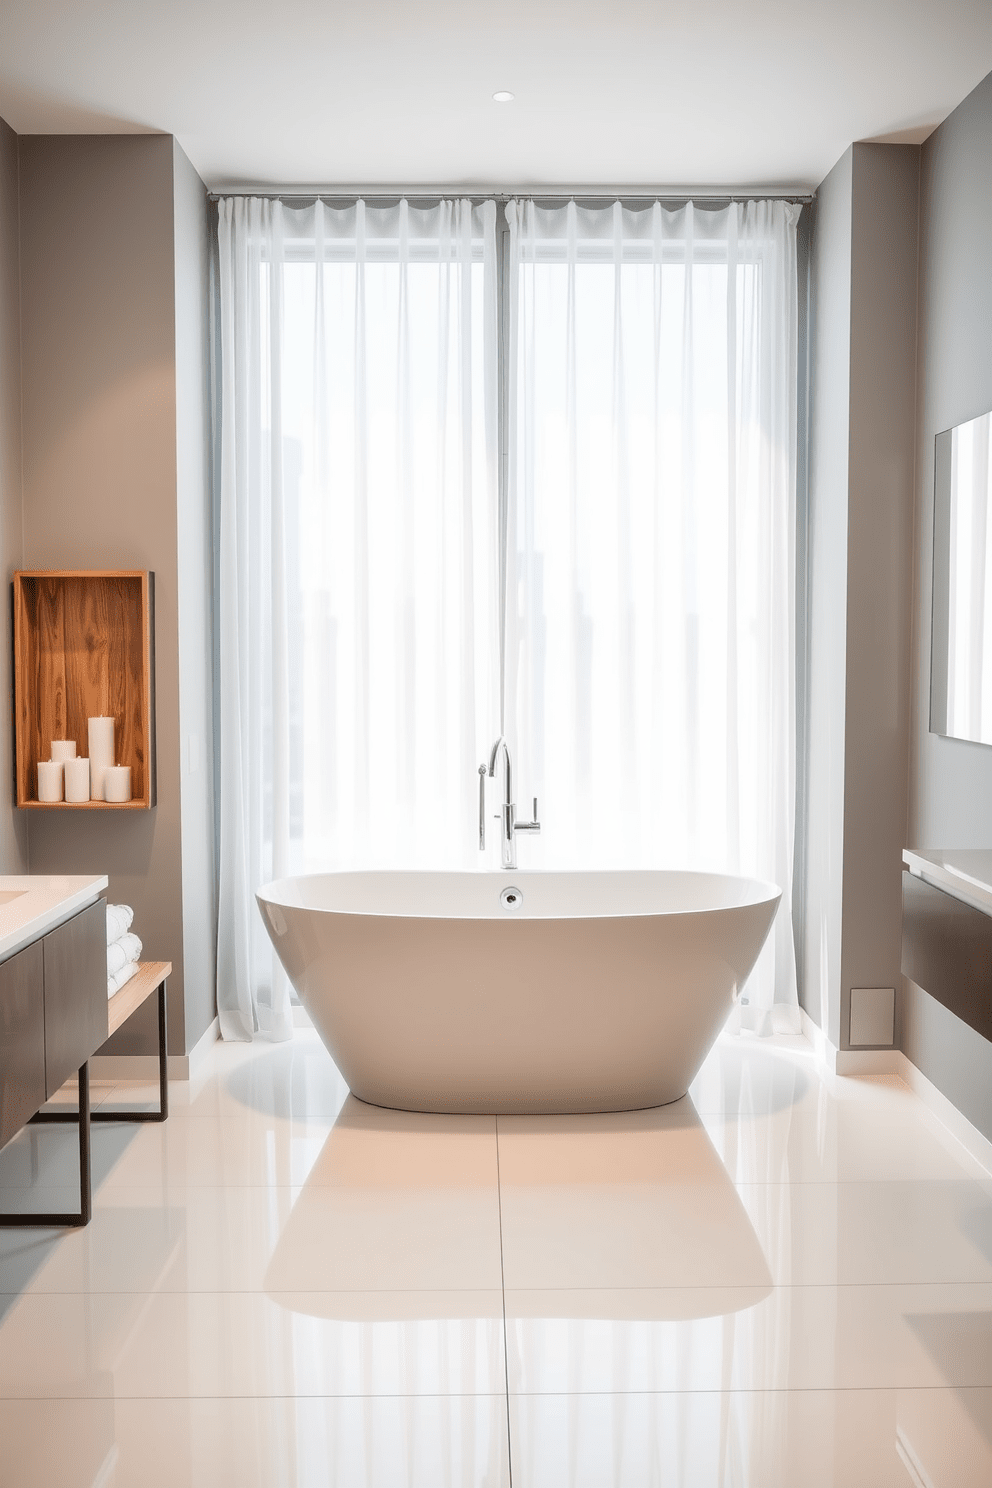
(503, 308)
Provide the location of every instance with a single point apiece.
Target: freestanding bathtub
(516, 991)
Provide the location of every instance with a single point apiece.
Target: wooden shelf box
(83, 649)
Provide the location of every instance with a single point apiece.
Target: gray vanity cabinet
(947, 950)
(53, 1013)
(75, 993)
(22, 1039)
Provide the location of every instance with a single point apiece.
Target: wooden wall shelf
(83, 648)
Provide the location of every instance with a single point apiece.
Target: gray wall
(112, 267)
(830, 356)
(884, 277)
(950, 792)
(195, 579)
(13, 827)
(863, 382)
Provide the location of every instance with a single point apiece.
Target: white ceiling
(650, 93)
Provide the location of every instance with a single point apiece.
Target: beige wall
(13, 827)
(101, 448)
(862, 433)
(950, 797)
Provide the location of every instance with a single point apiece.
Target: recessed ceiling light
(502, 97)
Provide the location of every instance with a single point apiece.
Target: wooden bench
(150, 977)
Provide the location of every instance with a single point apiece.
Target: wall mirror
(961, 658)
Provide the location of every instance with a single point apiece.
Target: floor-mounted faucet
(508, 816)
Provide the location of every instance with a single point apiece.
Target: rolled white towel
(119, 917)
(128, 948)
(116, 982)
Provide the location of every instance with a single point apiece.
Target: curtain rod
(538, 193)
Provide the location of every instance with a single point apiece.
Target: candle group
(95, 778)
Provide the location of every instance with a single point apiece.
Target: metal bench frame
(84, 1116)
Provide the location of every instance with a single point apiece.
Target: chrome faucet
(508, 816)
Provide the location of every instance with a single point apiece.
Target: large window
(524, 468)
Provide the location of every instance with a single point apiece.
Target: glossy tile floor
(785, 1279)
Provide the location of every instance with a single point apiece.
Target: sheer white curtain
(650, 653)
(358, 552)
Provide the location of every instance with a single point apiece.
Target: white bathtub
(573, 992)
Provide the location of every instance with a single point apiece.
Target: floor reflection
(625, 1202)
(747, 1439)
(39, 1171)
(395, 1202)
(296, 1081)
(403, 1203)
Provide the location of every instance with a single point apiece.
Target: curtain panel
(358, 552)
(650, 589)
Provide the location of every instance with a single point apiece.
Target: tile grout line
(502, 1286)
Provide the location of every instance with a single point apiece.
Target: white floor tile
(249, 1149)
(203, 1344)
(759, 1439)
(296, 1080)
(860, 1233)
(446, 1441)
(795, 1338)
(48, 1157)
(872, 1131)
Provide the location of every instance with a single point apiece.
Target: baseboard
(869, 1062)
(145, 1066)
(974, 1141)
(849, 1061)
(855, 1062)
(200, 1049)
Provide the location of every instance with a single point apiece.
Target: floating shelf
(83, 649)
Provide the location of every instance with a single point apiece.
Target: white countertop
(965, 872)
(32, 904)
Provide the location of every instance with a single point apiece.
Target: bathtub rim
(280, 893)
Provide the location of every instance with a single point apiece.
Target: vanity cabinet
(75, 981)
(947, 941)
(22, 1039)
(53, 1013)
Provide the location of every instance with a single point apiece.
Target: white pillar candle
(49, 780)
(77, 779)
(117, 783)
(101, 737)
(63, 749)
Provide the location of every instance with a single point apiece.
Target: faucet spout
(501, 745)
(510, 825)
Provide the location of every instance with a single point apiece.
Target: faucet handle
(531, 826)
